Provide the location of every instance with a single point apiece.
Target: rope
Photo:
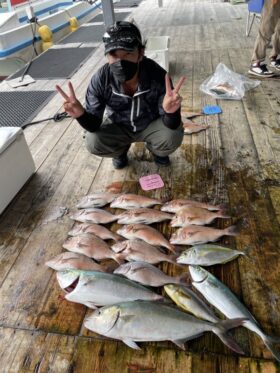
(58, 117)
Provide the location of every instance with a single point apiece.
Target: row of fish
(120, 297)
(131, 312)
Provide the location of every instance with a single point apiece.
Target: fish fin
(269, 341)
(119, 258)
(232, 230)
(127, 318)
(222, 214)
(221, 329)
(180, 343)
(172, 258)
(91, 305)
(172, 248)
(131, 343)
(185, 278)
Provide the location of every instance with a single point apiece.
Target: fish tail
(171, 248)
(231, 231)
(270, 342)
(185, 278)
(172, 258)
(221, 331)
(222, 214)
(119, 258)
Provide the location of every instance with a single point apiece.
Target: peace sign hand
(172, 100)
(72, 105)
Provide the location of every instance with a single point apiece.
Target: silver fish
(221, 297)
(133, 201)
(98, 289)
(91, 246)
(195, 234)
(148, 275)
(195, 215)
(69, 260)
(144, 321)
(145, 233)
(93, 215)
(96, 200)
(187, 300)
(96, 229)
(176, 204)
(144, 216)
(140, 251)
(207, 255)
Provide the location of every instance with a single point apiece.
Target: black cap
(122, 35)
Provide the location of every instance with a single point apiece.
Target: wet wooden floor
(235, 162)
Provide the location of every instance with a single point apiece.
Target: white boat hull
(16, 44)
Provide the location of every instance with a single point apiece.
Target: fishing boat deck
(236, 162)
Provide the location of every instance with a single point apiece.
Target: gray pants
(270, 25)
(112, 140)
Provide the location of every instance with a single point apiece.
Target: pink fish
(191, 127)
(132, 201)
(195, 215)
(70, 260)
(137, 250)
(145, 233)
(144, 215)
(176, 204)
(93, 215)
(194, 234)
(147, 274)
(91, 246)
(96, 229)
(96, 200)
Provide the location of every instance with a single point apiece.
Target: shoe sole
(274, 67)
(261, 75)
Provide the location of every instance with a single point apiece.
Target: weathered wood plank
(25, 351)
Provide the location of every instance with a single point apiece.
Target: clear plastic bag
(226, 84)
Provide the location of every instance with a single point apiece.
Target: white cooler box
(16, 163)
(157, 49)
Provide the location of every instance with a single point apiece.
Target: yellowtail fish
(187, 300)
(221, 297)
(95, 289)
(144, 321)
(207, 255)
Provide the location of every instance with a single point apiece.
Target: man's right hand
(72, 105)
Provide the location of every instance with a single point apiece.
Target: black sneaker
(260, 69)
(120, 162)
(162, 161)
(275, 63)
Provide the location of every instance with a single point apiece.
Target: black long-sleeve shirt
(136, 112)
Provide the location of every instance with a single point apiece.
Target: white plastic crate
(16, 164)
(157, 48)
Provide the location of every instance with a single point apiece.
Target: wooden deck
(235, 162)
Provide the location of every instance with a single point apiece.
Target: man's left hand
(172, 100)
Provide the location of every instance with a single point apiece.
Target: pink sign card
(151, 182)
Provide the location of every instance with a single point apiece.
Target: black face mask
(124, 70)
